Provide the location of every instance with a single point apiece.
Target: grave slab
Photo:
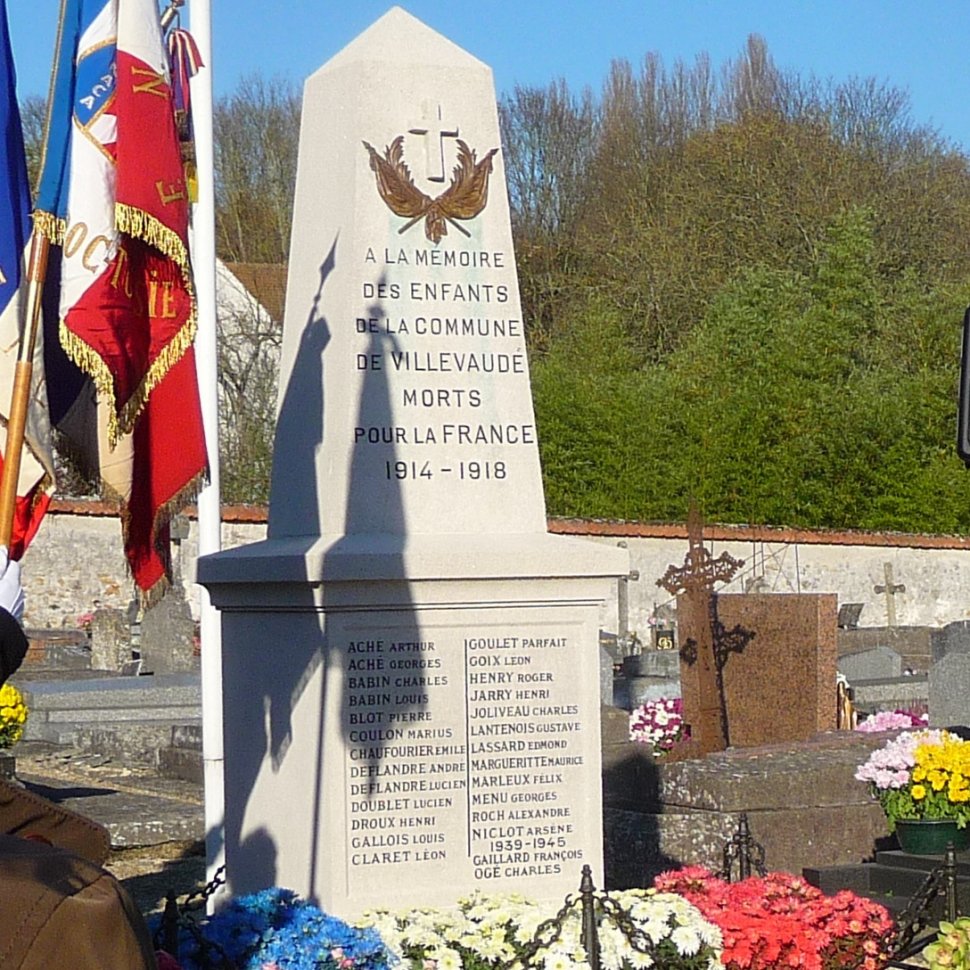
(803, 804)
(872, 664)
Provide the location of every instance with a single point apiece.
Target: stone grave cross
(890, 589)
(696, 579)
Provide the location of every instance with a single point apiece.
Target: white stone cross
(890, 589)
(435, 131)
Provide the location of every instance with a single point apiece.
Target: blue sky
(921, 47)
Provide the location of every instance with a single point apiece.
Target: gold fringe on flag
(50, 227)
(145, 228)
(140, 225)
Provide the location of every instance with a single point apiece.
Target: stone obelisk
(410, 660)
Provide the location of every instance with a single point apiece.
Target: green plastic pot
(929, 836)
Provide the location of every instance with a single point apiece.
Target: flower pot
(930, 836)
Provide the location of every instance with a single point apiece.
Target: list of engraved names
(462, 749)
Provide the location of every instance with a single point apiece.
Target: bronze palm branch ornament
(465, 198)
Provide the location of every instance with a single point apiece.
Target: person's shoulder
(13, 645)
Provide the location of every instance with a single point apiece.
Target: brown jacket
(58, 907)
(59, 911)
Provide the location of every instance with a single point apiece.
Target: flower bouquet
(921, 775)
(13, 715)
(779, 920)
(275, 930)
(486, 932)
(660, 724)
(893, 721)
(951, 949)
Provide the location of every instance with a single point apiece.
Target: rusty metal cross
(700, 570)
(696, 579)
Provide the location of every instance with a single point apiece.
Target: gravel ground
(150, 873)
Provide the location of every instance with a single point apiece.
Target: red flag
(127, 305)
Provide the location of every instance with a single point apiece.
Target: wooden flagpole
(23, 374)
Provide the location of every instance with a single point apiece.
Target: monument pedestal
(408, 724)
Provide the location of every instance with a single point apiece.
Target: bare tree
(256, 137)
(249, 349)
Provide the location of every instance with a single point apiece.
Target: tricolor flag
(36, 478)
(112, 196)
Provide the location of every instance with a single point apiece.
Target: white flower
(557, 960)
(686, 939)
(448, 959)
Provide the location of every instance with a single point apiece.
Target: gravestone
(648, 676)
(872, 664)
(167, 642)
(110, 639)
(953, 638)
(949, 675)
(949, 691)
(411, 663)
(781, 685)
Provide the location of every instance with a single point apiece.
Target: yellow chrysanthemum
(918, 792)
(13, 715)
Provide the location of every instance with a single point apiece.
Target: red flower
(780, 920)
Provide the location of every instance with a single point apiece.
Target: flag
(112, 197)
(36, 478)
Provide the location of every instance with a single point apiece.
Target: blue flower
(275, 926)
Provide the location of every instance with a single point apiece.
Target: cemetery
(443, 740)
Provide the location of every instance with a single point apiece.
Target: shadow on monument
(377, 513)
(300, 424)
(313, 643)
(298, 653)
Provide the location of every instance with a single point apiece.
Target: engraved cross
(435, 131)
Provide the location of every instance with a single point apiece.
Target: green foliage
(823, 399)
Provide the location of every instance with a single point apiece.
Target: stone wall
(76, 564)
(934, 570)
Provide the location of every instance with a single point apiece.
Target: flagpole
(20, 395)
(209, 502)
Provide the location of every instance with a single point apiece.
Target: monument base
(397, 709)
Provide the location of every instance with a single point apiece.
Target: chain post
(950, 881)
(170, 925)
(744, 835)
(590, 936)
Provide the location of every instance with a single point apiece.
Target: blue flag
(36, 468)
(14, 188)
